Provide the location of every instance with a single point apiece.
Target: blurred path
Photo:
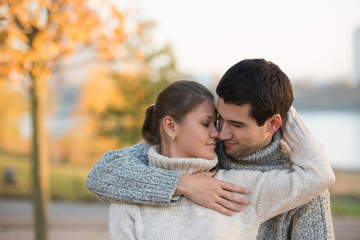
(88, 221)
(78, 221)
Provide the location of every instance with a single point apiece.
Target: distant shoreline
(347, 183)
(346, 170)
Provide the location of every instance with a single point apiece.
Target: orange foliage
(82, 146)
(35, 35)
(99, 92)
(11, 115)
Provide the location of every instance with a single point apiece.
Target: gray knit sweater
(124, 176)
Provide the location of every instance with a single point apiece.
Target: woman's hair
(176, 100)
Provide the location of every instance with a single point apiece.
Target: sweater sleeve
(125, 176)
(278, 191)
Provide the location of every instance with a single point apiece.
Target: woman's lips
(212, 145)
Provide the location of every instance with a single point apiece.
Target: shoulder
(137, 150)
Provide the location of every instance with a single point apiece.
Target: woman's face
(196, 134)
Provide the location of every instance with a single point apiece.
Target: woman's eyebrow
(208, 116)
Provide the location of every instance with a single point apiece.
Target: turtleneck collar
(186, 165)
(266, 156)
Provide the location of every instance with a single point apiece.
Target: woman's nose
(214, 133)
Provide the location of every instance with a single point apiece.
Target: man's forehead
(223, 106)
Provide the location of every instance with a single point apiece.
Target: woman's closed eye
(206, 124)
(209, 124)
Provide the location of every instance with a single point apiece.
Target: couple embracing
(271, 176)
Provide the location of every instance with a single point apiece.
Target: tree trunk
(40, 165)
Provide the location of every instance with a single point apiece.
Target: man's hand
(212, 193)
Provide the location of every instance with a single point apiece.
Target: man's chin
(236, 154)
(232, 153)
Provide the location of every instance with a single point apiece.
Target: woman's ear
(169, 126)
(274, 123)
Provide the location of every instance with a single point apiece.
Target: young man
(253, 95)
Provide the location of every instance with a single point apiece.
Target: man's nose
(225, 134)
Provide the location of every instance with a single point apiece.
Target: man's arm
(279, 191)
(125, 176)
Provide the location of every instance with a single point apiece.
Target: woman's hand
(212, 193)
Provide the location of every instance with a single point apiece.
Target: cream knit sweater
(271, 193)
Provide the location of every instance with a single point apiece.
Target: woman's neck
(169, 150)
(186, 165)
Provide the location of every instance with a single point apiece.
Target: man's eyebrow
(232, 121)
(237, 122)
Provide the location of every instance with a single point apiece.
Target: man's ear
(169, 126)
(274, 123)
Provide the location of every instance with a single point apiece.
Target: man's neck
(268, 155)
(264, 145)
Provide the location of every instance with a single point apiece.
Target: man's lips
(229, 144)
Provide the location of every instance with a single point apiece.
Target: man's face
(239, 131)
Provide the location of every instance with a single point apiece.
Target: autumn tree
(11, 117)
(117, 110)
(35, 35)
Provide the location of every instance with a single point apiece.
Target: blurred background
(76, 77)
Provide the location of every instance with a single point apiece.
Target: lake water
(339, 132)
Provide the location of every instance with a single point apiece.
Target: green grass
(345, 206)
(67, 181)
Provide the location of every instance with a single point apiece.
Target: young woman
(181, 129)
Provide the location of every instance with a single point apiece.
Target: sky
(310, 40)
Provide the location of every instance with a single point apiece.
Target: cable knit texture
(271, 193)
(125, 176)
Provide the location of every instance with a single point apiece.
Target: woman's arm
(125, 176)
(275, 192)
